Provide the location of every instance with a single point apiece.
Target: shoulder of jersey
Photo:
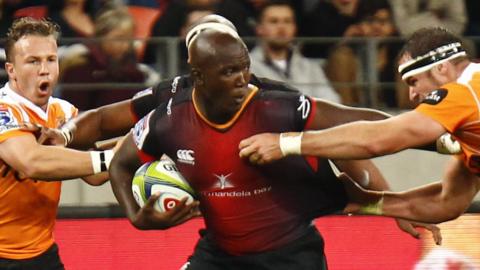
(174, 85)
(68, 108)
(272, 85)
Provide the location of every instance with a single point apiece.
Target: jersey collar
(252, 93)
(27, 103)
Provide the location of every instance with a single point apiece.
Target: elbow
(95, 183)
(375, 149)
(377, 146)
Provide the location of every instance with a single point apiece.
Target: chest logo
(223, 181)
(186, 156)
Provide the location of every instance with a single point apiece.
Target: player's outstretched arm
(356, 140)
(102, 123)
(433, 203)
(33, 160)
(367, 175)
(122, 170)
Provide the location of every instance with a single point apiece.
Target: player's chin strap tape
(427, 61)
(101, 160)
(291, 143)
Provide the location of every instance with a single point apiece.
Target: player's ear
(10, 70)
(197, 76)
(440, 72)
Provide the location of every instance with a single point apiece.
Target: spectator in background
(473, 24)
(346, 61)
(177, 17)
(277, 58)
(242, 13)
(411, 15)
(110, 59)
(329, 18)
(75, 17)
(156, 52)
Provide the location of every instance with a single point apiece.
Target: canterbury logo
(186, 156)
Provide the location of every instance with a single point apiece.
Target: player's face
(278, 26)
(419, 85)
(33, 72)
(226, 79)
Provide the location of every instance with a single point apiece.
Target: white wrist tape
(96, 162)
(291, 145)
(108, 158)
(67, 132)
(101, 160)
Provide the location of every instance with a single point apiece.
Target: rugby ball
(161, 176)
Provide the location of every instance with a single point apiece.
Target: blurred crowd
(340, 50)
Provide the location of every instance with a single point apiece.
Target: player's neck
(211, 109)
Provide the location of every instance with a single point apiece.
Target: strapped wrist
(67, 132)
(101, 160)
(291, 143)
(373, 208)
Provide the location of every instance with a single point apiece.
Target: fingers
(246, 150)
(108, 144)
(409, 227)
(150, 204)
(434, 229)
(411, 230)
(30, 127)
(43, 135)
(437, 234)
(245, 143)
(185, 212)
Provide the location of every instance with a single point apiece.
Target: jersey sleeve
(142, 103)
(149, 99)
(11, 120)
(450, 106)
(304, 111)
(144, 137)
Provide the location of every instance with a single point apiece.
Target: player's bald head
(212, 46)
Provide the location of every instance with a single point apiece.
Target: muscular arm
(366, 139)
(368, 176)
(330, 114)
(42, 162)
(122, 170)
(437, 202)
(105, 122)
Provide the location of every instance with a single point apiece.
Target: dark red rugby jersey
(247, 208)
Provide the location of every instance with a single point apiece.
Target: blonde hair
(111, 19)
